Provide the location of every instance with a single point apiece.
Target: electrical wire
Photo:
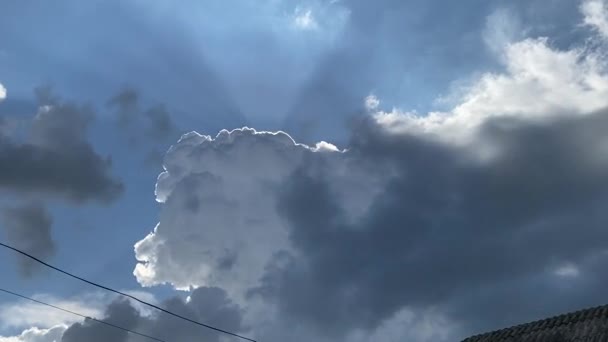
(125, 294)
(81, 315)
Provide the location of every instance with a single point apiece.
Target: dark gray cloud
(56, 158)
(490, 242)
(28, 227)
(119, 313)
(209, 305)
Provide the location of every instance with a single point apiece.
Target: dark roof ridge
(551, 322)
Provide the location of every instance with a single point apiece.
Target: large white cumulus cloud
(217, 213)
(218, 223)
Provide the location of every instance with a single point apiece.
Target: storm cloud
(447, 232)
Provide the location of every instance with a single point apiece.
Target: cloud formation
(208, 305)
(2, 92)
(204, 195)
(596, 15)
(498, 201)
(28, 228)
(539, 82)
(409, 52)
(25, 314)
(37, 335)
(56, 157)
(448, 223)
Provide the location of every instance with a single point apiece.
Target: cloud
(465, 189)
(387, 225)
(448, 223)
(42, 323)
(408, 53)
(204, 195)
(2, 92)
(539, 82)
(498, 201)
(372, 102)
(37, 335)
(56, 158)
(595, 14)
(28, 227)
(208, 305)
(26, 314)
(502, 28)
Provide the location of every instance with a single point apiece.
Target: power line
(125, 294)
(81, 315)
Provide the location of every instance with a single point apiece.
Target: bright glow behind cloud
(2, 92)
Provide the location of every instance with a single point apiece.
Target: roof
(588, 325)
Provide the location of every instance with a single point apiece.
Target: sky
(302, 170)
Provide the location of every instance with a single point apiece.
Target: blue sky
(418, 98)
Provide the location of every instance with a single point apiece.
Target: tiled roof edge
(547, 323)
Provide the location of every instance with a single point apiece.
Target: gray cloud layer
(207, 304)
(52, 160)
(484, 241)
